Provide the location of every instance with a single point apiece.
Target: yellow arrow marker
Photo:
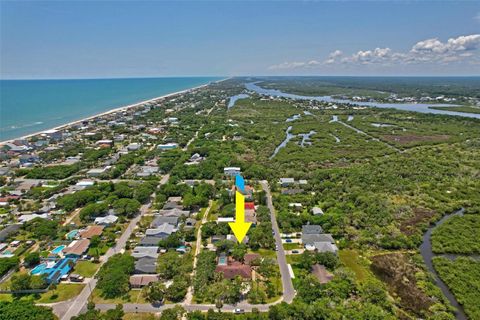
(240, 227)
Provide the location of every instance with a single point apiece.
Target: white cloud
(462, 48)
(294, 65)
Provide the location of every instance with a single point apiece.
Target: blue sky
(60, 39)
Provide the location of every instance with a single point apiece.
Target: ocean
(29, 106)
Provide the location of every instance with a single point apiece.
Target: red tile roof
(250, 205)
(235, 269)
(91, 231)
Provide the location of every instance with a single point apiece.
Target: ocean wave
(14, 127)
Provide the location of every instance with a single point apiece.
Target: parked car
(76, 277)
(295, 251)
(288, 241)
(238, 311)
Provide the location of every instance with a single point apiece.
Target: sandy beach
(122, 108)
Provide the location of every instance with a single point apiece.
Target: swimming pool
(58, 249)
(39, 269)
(222, 260)
(72, 234)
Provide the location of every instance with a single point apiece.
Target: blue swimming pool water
(58, 249)
(39, 269)
(72, 234)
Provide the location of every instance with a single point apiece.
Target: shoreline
(114, 110)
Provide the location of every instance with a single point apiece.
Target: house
(169, 205)
(321, 273)
(250, 205)
(295, 205)
(107, 220)
(174, 199)
(317, 211)
(54, 271)
(167, 146)
(76, 248)
(314, 239)
(217, 238)
(190, 223)
(85, 183)
(145, 252)
(146, 171)
(160, 220)
(91, 231)
(312, 229)
(194, 159)
(145, 265)
(232, 171)
(142, 280)
(162, 231)
(96, 172)
(134, 146)
(107, 142)
(29, 217)
(53, 134)
(150, 241)
(322, 246)
(231, 271)
(175, 212)
(284, 182)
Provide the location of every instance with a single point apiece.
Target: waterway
(427, 254)
(416, 107)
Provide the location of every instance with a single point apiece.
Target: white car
(238, 311)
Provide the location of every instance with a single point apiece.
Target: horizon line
(239, 76)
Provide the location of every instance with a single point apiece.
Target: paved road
(76, 305)
(148, 308)
(198, 246)
(288, 291)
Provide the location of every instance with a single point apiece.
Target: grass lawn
(353, 261)
(86, 268)
(6, 297)
(133, 296)
(64, 291)
(292, 246)
(293, 258)
(139, 316)
(265, 253)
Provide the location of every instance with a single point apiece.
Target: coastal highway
(69, 309)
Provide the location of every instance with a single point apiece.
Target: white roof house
(232, 171)
(317, 211)
(107, 220)
(143, 252)
(97, 171)
(164, 229)
(29, 217)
